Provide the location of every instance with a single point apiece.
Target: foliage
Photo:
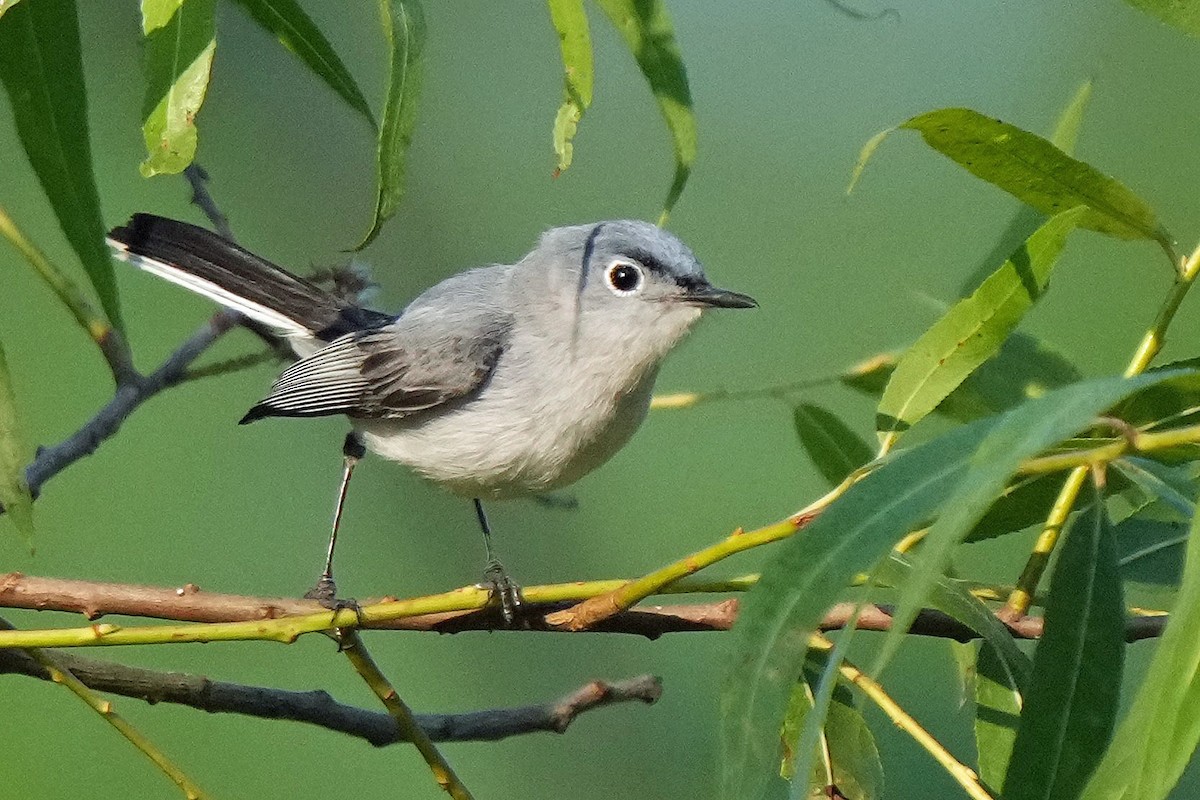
(978, 423)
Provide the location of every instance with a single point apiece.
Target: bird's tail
(211, 265)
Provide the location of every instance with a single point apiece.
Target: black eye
(624, 278)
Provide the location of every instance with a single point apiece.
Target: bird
(502, 381)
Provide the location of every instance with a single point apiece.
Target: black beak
(709, 295)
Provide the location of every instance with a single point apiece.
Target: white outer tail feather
(259, 313)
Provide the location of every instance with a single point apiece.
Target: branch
(320, 709)
(189, 604)
(132, 393)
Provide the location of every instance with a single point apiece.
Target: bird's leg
(503, 589)
(326, 590)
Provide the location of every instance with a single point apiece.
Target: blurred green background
(785, 94)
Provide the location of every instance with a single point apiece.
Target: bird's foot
(325, 593)
(504, 591)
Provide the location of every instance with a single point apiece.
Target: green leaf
(1023, 503)
(1020, 434)
(972, 330)
(1066, 130)
(296, 31)
(1181, 14)
(850, 537)
(404, 29)
(847, 753)
(42, 71)
(647, 30)
(997, 713)
(1036, 172)
(180, 42)
(835, 450)
(575, 41)
(853, 754)
(1025, 367)
(1156, 739)
(1150, 547)
(1174, 486)
(958, 472)
(15, 499)
(1071, 703)
(1027, 219)
(953, 599)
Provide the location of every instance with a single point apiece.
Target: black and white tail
(211, 265)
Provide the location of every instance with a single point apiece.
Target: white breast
(528, 431)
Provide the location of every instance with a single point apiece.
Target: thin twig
(320, 709)
(190, 604)
(230, 365)
(1150, 346)
(113, 346)
(962, 774)
(53, 667)
(108, 420)
(352, 645)
(198, 178)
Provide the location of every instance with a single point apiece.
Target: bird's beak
(708, 295)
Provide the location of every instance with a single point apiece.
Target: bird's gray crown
(588, 246)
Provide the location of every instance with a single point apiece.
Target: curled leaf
(647, 30)
(575, 41)
(404, 29)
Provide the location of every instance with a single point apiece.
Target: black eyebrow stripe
(648, 260)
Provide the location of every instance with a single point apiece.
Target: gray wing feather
(442, 348)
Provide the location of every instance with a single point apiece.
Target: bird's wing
(428, 357)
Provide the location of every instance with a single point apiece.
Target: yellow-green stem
(366, 667)
(960, 772)
(1150, 346)
(104, 708)
(112, 345)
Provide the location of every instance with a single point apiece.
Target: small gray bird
(502, 381)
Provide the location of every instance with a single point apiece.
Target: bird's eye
(624, 278)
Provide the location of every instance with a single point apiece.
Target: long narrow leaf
(1071, 704)
(1183, 15)
(1019, 434)
(14, 493)
(42, 71)
(1156, 739)
(833, 447)
(952, 599)
(296, 31)
(972, 330)
(959, 473)
(575, 41)
(850, 537)
(1027, 219)
(998, 704)
(404, 29)
(1034, 171)
(647, 30)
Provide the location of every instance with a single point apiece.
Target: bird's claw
(504, 591)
